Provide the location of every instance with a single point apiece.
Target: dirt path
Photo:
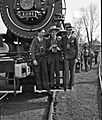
(83, 103)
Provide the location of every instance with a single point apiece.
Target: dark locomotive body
(23, 19)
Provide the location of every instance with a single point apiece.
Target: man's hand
(35, 62)
(54, 45)
(50, 48)
(76, 60)
(58, 48)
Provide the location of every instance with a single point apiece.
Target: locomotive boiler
(23, 19)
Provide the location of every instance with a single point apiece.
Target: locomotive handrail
(63, 7)
(100, 75)
(21, 52)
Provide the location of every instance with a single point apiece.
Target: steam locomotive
(23, 19)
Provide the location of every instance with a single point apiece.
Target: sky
(2, 26)
(72, 10)
(73, 7)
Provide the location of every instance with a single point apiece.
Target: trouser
(90, 62)
(78, 67)
(54, 67)
(81, 66)
(69, 73)
(95, 59)
(86, 63)
(41, 73)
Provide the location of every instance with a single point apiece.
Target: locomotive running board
(12, 91)
(52, 90)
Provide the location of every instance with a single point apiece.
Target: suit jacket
(72, 51)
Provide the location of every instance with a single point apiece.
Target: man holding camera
(54, 52)
(38, 55)
(70, 50)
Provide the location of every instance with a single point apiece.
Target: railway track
(44, 106)
(26, 106)
(2, 95)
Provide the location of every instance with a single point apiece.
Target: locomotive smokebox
(25, 17)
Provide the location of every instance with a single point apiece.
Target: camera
(54, 48)
(42, 50)
(68, 46)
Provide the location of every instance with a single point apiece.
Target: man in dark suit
(96, 56)
(86, 56)
(70, 50)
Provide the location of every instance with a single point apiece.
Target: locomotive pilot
(70, 51)
(54, 52)
(38, 55)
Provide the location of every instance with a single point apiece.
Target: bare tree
(87, 25)
(90, 18)
(78, 28)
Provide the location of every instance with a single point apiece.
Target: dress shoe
(53, 87)
(65, 89)
(39, 88)
(70, 87)
(58, 87)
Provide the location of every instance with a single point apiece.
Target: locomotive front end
(25, 17)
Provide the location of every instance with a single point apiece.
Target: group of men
(47, 53)
(87, 57)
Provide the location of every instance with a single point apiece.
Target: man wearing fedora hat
(54, 52)
(70, 51)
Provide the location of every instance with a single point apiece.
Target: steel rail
(51, 110)
(4, 96)
(99, 76)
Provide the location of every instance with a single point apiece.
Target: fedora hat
(4, 48)
(61, 32)
(68, 26)
(53, 28)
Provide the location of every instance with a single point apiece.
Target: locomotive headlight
(26, 4)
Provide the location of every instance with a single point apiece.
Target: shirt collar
(69, 36)
(40, 39)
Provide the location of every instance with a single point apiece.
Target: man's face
(68, 31)
(41, 33)
(53, 33)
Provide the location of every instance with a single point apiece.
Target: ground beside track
(27, 106)
(84, 102)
